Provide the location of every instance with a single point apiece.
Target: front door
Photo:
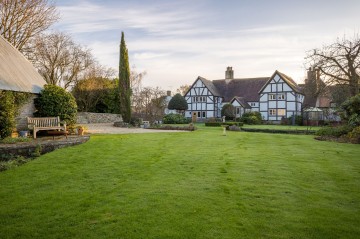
(194, 117)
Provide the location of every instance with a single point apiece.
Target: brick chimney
(229, 73)
(313, 79)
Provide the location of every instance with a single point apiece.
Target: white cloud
(176, 42)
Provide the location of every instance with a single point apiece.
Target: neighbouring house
(19, 75)
(168, 97)
(320, 98)
(274, 97)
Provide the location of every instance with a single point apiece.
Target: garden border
(26, 149)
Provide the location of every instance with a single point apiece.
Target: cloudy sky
(176, 41)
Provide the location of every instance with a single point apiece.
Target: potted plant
(23, 132)
(14, 133)
(81, 130)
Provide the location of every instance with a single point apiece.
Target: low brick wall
(93, 118)
(26, 149)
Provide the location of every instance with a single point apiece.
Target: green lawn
(186, 185)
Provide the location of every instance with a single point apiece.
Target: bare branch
(339, 62)
(22, 20)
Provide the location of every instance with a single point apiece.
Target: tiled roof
(247, 88)
(241, 101)
(209, 84)
(290, 82)
(16, 72)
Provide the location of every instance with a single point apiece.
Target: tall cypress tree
(124, 82)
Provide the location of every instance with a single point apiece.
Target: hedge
(279, 131)
(218, 124)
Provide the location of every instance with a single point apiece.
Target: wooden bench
(45, 123)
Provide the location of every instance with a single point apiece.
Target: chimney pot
(229, 73)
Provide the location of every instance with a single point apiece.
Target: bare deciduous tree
(59, 60)
(136, 79)
(183, 89)
(338, 63)
(150, 103)
(22, 20)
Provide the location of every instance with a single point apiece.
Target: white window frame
(272, 112)
(272, 96)
(281, 96)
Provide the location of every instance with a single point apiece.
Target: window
(252, 104)
(281, 96)
(281, 112)
(278, 112)
(199, 115)
(237, 110)
(198, 99)
(272, 112)
(204, 114)
(272, 96)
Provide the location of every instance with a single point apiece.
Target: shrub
(134, 121)
(37, 151)
(190, 127)
(178, 102)
(354, 135)
(9, 140)
(12, 162)
(351, 110)
(218, 124)
(7, 113)
(334, 131)
(228, 110)
(55, 101)
(175, 119)
(234, 128)
(298, 120)
(252, 117)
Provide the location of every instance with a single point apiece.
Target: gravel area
(108, 128)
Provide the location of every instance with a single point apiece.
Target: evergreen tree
(178, 103)
(124, 82)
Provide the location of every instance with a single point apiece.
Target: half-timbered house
(280, 97)
(274, 97)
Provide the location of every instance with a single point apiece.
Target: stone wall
(92, 118)
(26, 110)
(28, 148)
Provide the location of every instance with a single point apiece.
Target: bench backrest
(44, 121)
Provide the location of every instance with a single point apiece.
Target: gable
(240, 101)
(202, 86)
(285, 82)
(16, 72)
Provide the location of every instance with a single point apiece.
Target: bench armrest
(31, 126)
(63, 123)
